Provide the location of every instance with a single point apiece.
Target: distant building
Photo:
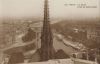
(93, 33)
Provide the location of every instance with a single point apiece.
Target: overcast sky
(58, 8)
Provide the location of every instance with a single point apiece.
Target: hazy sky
(58, 8)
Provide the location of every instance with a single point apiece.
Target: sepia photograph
(49, 31)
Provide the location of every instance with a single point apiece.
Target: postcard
(49, 31)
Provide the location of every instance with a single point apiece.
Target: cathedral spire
(47, 50)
